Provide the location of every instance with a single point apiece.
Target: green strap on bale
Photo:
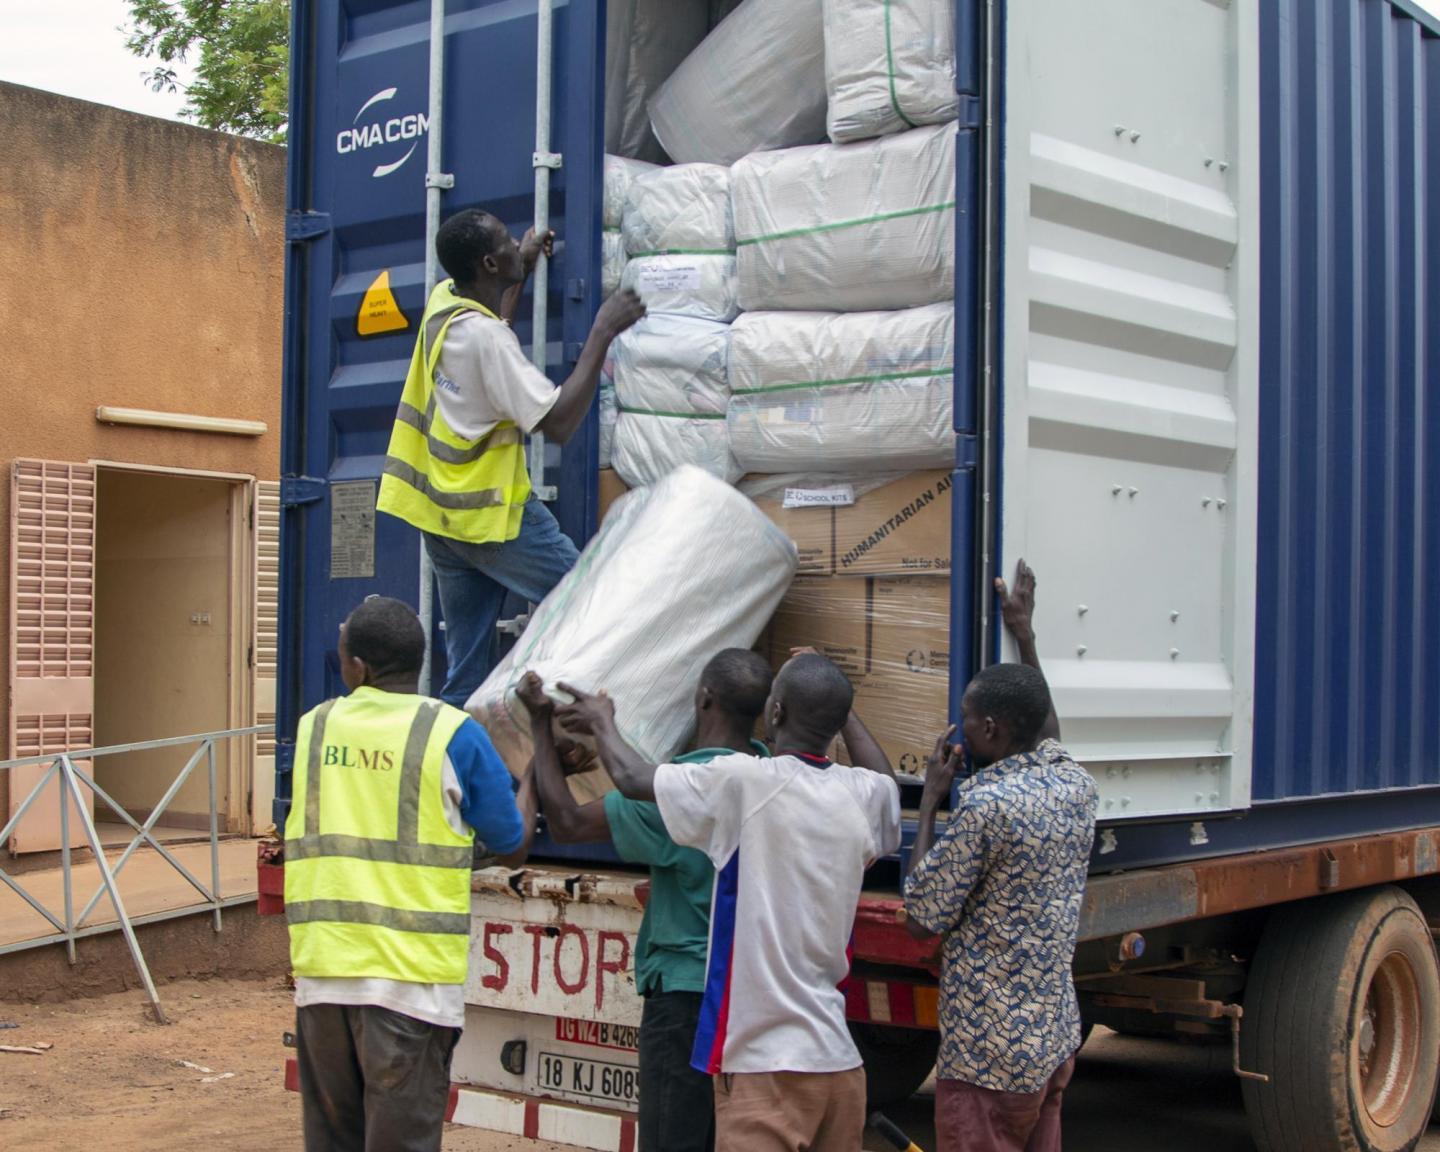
(918, 374)
(897, 215)
(683, 252)
(890, 67)
(672, 415)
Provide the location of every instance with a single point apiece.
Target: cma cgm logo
(392, 132)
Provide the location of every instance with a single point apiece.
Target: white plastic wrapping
(888, 67)
(612, 263)
(705, 287)
(757, 81)
(620, 173)
(609, 413)
(834, 392)
(650, 445)
(638, 616)
(671, 382)
(852, 227)
(645, 41)
(684, 208)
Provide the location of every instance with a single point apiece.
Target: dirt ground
(115, 1080)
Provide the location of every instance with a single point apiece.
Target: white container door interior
(1129, 383)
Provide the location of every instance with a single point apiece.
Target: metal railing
(68, 778)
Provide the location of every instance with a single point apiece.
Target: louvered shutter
(266, 641)
(52, 634)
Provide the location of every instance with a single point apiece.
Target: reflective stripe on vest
(377, 881)
(436, 480)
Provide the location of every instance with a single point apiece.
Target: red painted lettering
(496, 980)
(602, 965)
(570, 932)
(537, 933)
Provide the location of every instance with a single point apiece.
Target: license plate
(592, 1079)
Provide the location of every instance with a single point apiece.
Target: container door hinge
(296, 490)
(513, 627)
(303, 226)
(575, 288)
(552, 160)
(967, 453)
(572, 351)
(969, 112)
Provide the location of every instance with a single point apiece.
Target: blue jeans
(473, 580)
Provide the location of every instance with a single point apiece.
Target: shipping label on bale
(668, 277)
(899, 528)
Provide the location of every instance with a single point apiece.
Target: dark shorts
(372, 1080)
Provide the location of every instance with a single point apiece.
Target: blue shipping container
(1229, 217)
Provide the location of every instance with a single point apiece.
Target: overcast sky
(75, 47)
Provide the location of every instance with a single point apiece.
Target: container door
(52, 624)
(1130, 381)
(356, 265)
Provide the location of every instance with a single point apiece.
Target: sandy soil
(114, 1080)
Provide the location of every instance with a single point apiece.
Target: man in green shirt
(677, 1103)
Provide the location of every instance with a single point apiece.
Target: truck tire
(1342, 1012)
(898, 1061)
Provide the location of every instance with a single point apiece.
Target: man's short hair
(739, 679)
(816, 693)
(1014, 695)
(387, 635)
(463, 241)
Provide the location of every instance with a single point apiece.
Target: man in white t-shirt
(456, 466)
(790, 837)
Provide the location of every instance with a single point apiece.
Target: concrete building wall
(141, 266)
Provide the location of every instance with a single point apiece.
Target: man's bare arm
(525, 800)
(578, 392)
(864, 749)
(569, 821)
(1017, 609)
(940, 768)
(594, 716)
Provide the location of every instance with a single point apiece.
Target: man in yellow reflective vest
(390, 791)
(456, 464)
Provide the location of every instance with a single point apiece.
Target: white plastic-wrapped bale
(638, 616)
(848, 227)
(843, 392)
(757, 81)
(613, 262)
(609, 413)
(620, 173)
(671, 383)
(700, 286)
(645, 41)
(888, 67)
(680, 240)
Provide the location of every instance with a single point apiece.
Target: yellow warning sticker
(379, 312)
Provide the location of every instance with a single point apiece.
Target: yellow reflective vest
(442, 483)
(377, 882)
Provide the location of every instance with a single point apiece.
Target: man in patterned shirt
(1004, 884)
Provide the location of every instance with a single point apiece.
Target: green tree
(240, 50)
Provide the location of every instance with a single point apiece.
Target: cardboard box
(891, 636)
(611, 489)
(902, 527)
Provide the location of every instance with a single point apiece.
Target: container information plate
(352, 530)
